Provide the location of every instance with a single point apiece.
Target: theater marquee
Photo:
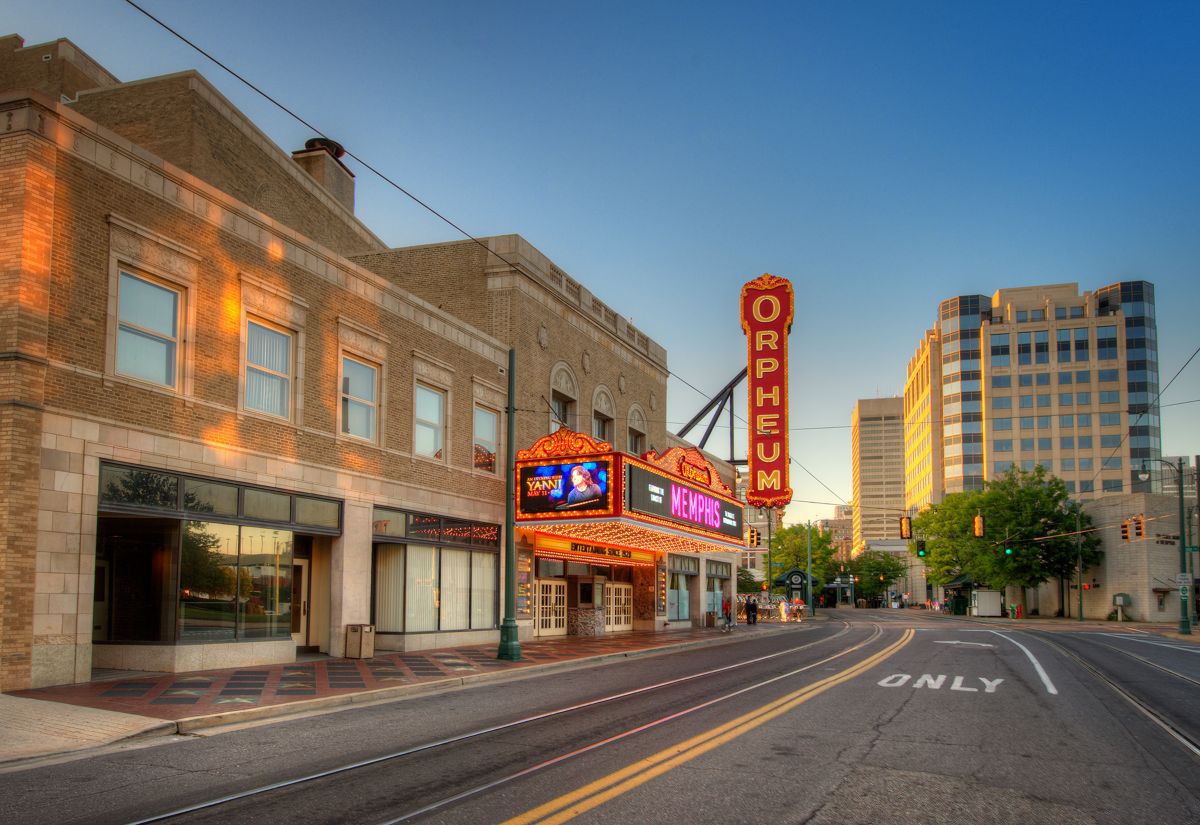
(766, 308)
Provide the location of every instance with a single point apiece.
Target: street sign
(1183, 590)
(1182, 578)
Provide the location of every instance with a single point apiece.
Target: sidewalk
(55, 720)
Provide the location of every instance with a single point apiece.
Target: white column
(350, 575)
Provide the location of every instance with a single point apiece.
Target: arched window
(636, 429)
(603, 413)
(564, 392)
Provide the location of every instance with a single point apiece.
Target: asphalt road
(870, 717)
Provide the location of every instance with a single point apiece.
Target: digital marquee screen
(564, 488)
(655, 495)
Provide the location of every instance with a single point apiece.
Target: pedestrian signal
(977, 527)
(764, 585)
(905, 527)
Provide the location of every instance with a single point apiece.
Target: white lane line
(1050, 688)
(1184, 648)
(956, 642)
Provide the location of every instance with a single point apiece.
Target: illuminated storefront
(607, 541)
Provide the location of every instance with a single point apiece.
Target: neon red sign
(767, 307)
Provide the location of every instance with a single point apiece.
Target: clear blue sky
(883, 156)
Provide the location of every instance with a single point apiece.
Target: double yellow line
(568, 806)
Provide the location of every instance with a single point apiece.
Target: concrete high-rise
(1039, 375)
(877, 457)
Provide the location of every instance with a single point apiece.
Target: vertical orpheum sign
(767, 308)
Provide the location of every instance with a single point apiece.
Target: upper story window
(563, 409)
(268, 369)
(636, 442)
(487, 437)
(430, 423)
(360, 393)
(602, 426)
(148, 330)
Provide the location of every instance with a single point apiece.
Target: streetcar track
(1144, 661)
(1166, 724)
(877, 632)
(427, 746)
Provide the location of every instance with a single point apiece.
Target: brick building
(232, 422)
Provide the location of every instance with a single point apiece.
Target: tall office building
(877, 457)
(1043, 375)
(840, 529)
(922, 426)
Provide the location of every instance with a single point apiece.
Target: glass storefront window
(201, 496)
(210, 584)
(266, 569)
(268, 506)
(455, 590)
(421, 589)
(317, 512)
(677, 597)
(124, 485)
(389, 588)
(483, 590)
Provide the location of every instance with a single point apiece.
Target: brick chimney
(321, 158)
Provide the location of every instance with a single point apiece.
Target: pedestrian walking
(752, 611)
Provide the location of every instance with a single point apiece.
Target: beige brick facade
(566, 339)
(163, 183)
(1144, 567)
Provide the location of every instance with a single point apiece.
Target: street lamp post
(1185, 619)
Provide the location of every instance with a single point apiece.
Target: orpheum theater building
(610, 542)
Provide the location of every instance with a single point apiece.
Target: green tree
(875, 571)
(790, 549)
(1025, 512)
(746, 583)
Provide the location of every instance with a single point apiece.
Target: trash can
(360, 641)
(710, 619)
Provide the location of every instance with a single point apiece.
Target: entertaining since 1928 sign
(767, 307)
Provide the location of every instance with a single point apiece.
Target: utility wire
(321, 132)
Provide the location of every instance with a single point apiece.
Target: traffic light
(905, 527)
(753, 537)
(1139, 526)
(764, 585)
(1125, 530)
(977, 527)
(1087, 586)
(921, 551)
(1008, 551)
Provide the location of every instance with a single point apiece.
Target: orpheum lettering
(767, 307)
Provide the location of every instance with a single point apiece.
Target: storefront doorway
(552, 607)
(300, 602)
(618, 608)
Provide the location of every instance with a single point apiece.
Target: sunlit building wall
(1046, 375)
(923, 464)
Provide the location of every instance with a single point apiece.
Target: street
(865, 716)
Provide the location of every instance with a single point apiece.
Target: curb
(198, 723)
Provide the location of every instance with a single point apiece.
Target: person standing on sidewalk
(727, 610)
(752, 611)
